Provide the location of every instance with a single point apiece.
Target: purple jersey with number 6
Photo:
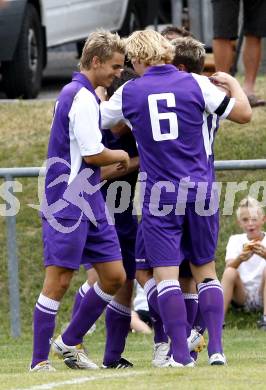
(168, 112)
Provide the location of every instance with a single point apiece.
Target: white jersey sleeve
(84, 123)
(111, 110)
(215, 100)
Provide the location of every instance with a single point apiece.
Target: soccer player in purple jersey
(166, 110)
(118, 311)
(189, 57)
(75, 227)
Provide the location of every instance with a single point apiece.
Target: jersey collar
(160, 69)
(82, 79)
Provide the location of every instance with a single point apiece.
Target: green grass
(245, 350)
(23, 142)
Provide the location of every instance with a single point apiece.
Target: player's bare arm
(241, 112)
(114, 171)
(107, 157)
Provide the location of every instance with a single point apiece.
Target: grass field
(245, 349)
(23, 142)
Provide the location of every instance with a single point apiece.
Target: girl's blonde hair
(249, 203)
(102, 44)
(150, 47)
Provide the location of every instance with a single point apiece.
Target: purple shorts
(126, 226)
(170, 239)
(142, 262)
(86, 244)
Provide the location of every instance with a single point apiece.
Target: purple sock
(200, 326)
(211, 307)
(191, 302)
(151, 291)
(117, 321)
(199, 323)
(91, 307)
(174, 316)
(194, 355)
(79, 295)
(43, 328)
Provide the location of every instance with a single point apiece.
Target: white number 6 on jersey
(156, 116)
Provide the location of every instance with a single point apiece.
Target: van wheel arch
(22, 75)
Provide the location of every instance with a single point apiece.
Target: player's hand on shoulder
(222, 81)
(221, 78)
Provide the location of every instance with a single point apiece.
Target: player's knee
(64, 282)
(55, 288)
(120, 279)
(115, 282)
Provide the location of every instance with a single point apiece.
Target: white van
(29, 27)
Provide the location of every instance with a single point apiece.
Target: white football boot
(74, 356)
(42, 366)
(160, 357)
(172, 363)
(217, 359)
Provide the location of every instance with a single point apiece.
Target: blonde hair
(249, 203)
(189, 52)
(102, 44)
(150, 47)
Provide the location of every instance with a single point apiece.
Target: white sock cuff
(190, 296)
(119, 308)
(149, 286)
(168, 285)
(215, 283)
(84, 288)
(106, 297)
(47, 305)
(48, 302)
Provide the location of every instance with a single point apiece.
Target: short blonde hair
(189, 52)
(150, 47)
(102, 44)
(249, 203)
